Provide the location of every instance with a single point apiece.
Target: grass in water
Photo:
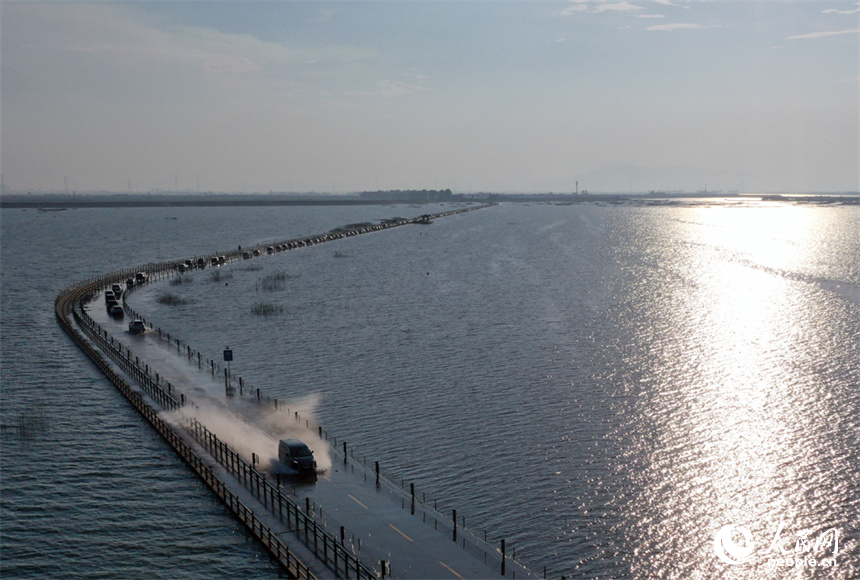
(218, 276)
(266, 309)
(169, 299)
(274, 281)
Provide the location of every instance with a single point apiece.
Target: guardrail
(64, 308)
(322, 543)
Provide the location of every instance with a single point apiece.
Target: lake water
(606, 387)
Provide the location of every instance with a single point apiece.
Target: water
(88, 489)
(605, 387)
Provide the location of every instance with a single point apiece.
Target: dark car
(297, 456)
(136, 326)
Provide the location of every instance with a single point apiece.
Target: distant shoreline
(57, 202)
(48, 203)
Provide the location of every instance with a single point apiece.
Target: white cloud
(675, 26)
(837, 11)
(598, 6)
(616, 7)
(127, 38)
(822, 34)
(651, 15)
(389, 89)
(575, 6)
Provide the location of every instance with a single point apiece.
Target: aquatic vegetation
(32, 422)
(169, 299)
(219, 276)
(266, 309)
(274, 281)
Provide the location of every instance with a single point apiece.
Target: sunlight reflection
(736, 441)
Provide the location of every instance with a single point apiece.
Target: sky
(473, 96)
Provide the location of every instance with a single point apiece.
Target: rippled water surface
(605, 387)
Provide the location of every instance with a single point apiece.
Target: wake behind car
(297, 456)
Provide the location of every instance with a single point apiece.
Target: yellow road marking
(450, 569)
(401, 533)
(358, 502)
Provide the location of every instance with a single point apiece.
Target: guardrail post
(503, 557)
(335, 551)
(455, 525)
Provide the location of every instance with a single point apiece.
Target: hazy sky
(473, 96)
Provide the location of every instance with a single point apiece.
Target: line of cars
(114, 295)
(112, 298)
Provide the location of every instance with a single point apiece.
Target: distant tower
(66, 184)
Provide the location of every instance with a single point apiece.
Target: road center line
(450, 569)
(358, 502)
(401, 533)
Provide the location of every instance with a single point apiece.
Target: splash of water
(257, 431)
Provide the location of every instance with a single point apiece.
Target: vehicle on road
(297, 456)
(136, 326)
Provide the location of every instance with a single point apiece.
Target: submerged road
(391, 533)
